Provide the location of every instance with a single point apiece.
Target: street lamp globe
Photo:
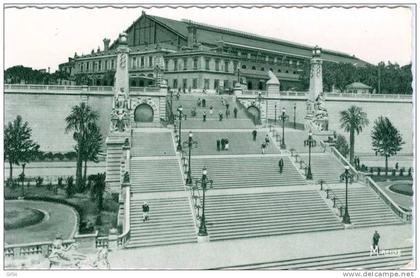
(180, 108)
(190, 134)
(347, 167)
(204, 171)
(310, 133)
(283, 110)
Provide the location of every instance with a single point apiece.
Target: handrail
(249, 114)
(405, 216)
(44, 248)
(343, 160)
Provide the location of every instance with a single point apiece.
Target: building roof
(358, 85)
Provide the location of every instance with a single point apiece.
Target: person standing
(226, 144)
(235, 112)
(199, 102)
(204, 116)
(211, 109)
(254, 135)
(203, 102)
(396, 166)
(281, 164)
(375, 239)
(145, 209)
(222, 142)
(218, 145)
(220, 116)
(227, 113)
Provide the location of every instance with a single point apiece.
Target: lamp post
(275, 114)
(190, 144)
(239, 78)
(349, 178)
(259, 105)
(311, 143)
(294, 116)
(180, 116)
(283, 118)
(203, 183)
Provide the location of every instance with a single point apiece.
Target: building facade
(192, 56)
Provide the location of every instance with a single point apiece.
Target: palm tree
(386, 139)
(353, 120)
(79, 121)
(93, 147)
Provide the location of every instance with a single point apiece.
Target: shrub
(393, 172)
(49, 156)
(342, 146)
(41, 156)
(379, 171)
(371, 170)
(58, 156)
(402, 170)
(60, 182)
(39, 181)
(98, 221)
(49, 186)
(70, 155)
(70, 186)
(409, 172)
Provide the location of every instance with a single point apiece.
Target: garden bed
(402, 188)
(15, 218)
(84, 205)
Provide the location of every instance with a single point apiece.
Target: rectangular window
(195, 65)
(113, 64)
(217, 65)
(151, 61)
(226, 66)
(235, 66)
(185, 64)
(184, 83)
(166, 65)
(195, 85)
(142, 62)
(216, 83)
(100, 65)
(226, 84)
(175, 84)
(134, 62)
(206, 84)
(175, 65)
(207, 64)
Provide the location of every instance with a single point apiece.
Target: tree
(386, 139)
(353, 120)
(79, 120)
(93, 146)
(98, 189)
(18, 145)
(342, 146)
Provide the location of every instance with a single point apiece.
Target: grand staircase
(366, 208)
(325, 166)
(354, 260)
(170, 222)
(152, 144)
(267, 214)
(247, 172)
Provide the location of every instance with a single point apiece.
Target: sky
(42, 38)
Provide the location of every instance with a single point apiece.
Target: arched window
(243, 67)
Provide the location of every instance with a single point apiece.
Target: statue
(101, 261)
(65, 257)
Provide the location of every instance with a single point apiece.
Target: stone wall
(46, 116)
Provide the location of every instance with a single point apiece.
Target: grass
(15, 218)
(391, 178)
(82, 202)
(402, 188)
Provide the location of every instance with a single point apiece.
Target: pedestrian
(211, 109)
(227, 106)
(199, 102)
(177, 95)
(235, 112)
(222, 141)
(376, 238)
(267, 139)
(254, 135)
(281, 164)
(146, 209)
(227, 113)
(226, 144)
(203, 102)
(220, 116)
(263, 145)
(396, 166)
(218, 145)
(204, 116)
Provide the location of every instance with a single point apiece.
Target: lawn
(15, 217)
(85, 206)
(402, 188)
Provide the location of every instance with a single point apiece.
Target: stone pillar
(315, 81)
(237, 90)
(121, 74)
(273, 85)
(113, 239)
(87, 241)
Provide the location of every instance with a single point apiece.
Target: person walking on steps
(218, 145)
(281, 164)
(254, 135)
(235, 112)
(227, 113)
(267, 139)
(263, 145)
(203, 102)
(220, 116)
(199, 102)
(204, 116)
(211, 110)
(375, 240)
(146, 209)
(226, 144)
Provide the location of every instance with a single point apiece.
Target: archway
(254, 111)
(143, 113)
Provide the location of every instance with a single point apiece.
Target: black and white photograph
(214, 137)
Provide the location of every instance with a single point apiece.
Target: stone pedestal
(203, 239)
(113, 239)
(86, 241)
(273, 86)
(237, 90)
